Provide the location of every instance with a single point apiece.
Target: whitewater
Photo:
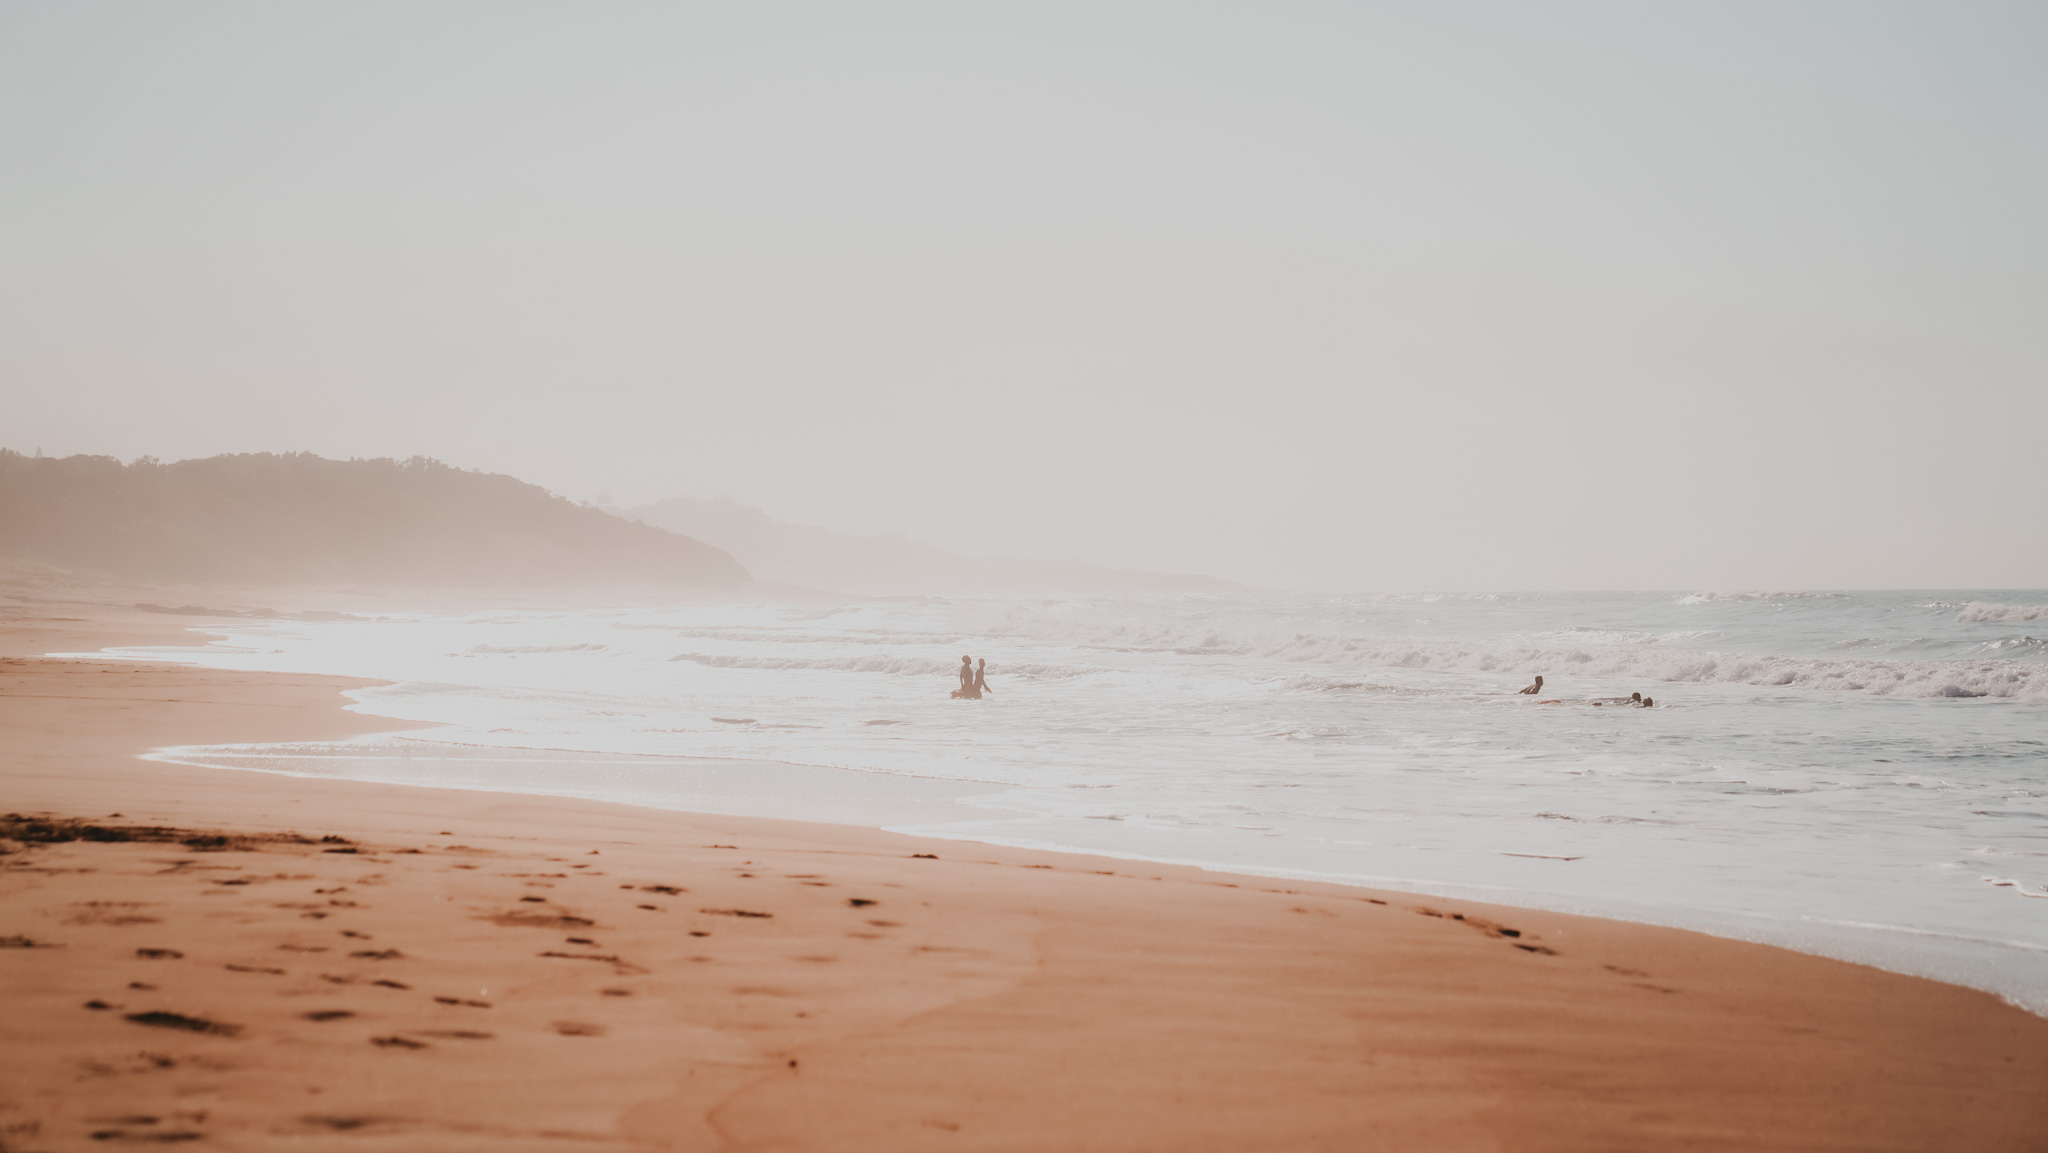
(1860, 775)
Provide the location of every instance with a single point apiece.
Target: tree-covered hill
(296, 518)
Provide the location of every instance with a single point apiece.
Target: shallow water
(1858, 774)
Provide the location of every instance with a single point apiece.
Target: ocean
(1857, 774)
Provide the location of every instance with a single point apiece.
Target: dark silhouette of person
(966, 691)
(1532, 690)
(981, 678)
(1648, 703)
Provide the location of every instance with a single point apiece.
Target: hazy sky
(1434, 294)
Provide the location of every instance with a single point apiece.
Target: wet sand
(246, 961)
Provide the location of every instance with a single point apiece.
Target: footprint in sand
(339, 1124)
(162, 1020)
(107, 913)
(149, 1136)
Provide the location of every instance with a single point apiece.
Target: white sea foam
(1980, 611)
(1610, 654)
(1711, 597)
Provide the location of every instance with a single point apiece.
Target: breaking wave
(1577, 652)
(1981, 611)
(1649, 661)
(1710, 598)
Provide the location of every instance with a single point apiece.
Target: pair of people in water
(1633, 700)
(973, 680)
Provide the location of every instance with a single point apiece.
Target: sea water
(1862, 775)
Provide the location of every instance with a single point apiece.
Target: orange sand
(505, 973)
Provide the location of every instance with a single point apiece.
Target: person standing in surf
(966, 691)
(981, 679)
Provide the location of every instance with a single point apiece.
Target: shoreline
(922, 806)
(1024, 999)
(1725, 813)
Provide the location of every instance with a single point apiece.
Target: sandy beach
(249, 961)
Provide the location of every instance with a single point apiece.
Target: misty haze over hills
(300, 518)
(774, 550)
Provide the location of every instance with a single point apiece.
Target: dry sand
(471, 971)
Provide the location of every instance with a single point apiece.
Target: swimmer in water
(981, 679)
(966, 691)
(1532, 690)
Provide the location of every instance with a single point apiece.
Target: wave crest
(1590, 653)
(1709, 598)
(1985, 611)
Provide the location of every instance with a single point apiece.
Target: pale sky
(1339, 296)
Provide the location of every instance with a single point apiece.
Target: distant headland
(296, 518)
